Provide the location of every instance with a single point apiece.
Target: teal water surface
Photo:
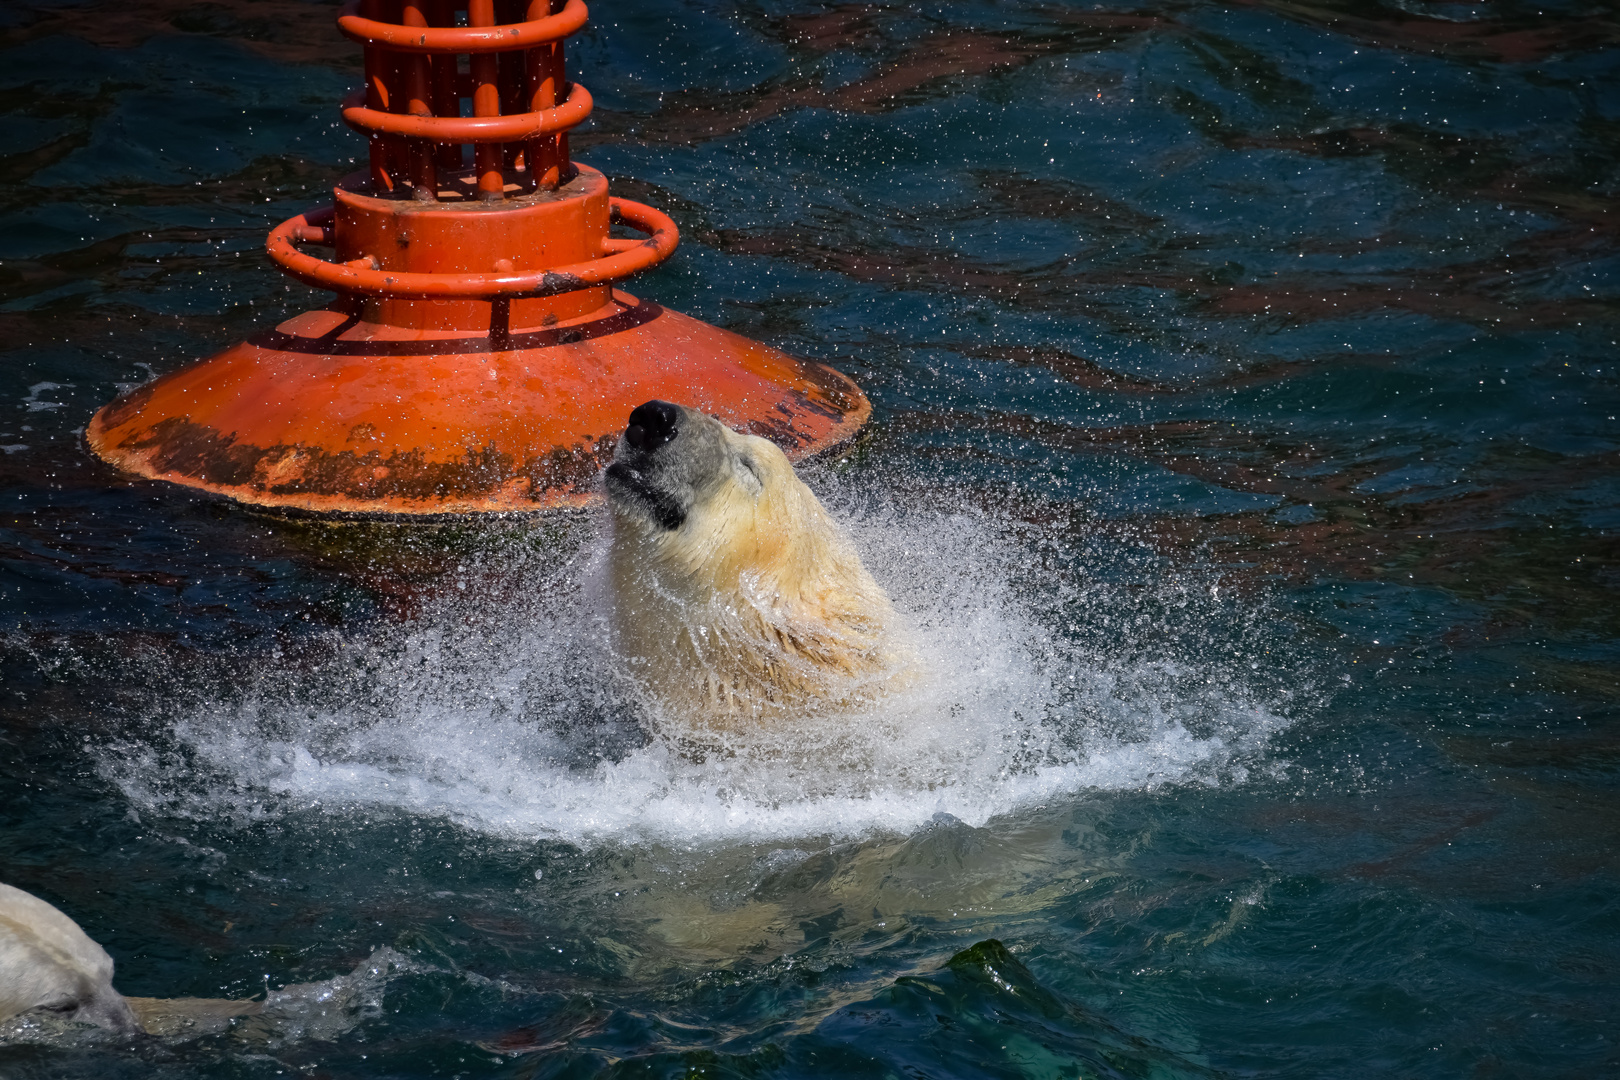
(1244, 456)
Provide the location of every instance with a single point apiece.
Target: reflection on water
(1244, 460)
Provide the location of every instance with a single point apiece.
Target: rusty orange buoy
(478, 357)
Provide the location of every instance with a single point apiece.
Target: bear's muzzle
(627, 487)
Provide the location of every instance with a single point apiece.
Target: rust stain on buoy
(479, 357)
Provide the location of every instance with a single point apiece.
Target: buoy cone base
(332, 414)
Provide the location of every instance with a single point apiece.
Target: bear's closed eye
(748, 473)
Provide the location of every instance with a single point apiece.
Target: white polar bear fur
(757, 606)
(47, 962)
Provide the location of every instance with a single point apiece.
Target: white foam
(499, 708)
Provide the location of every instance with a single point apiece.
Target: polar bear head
(734, 592)
(47, 962)
(673, 462)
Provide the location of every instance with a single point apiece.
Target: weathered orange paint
(460, 238)
(479, 358)
(331, 413)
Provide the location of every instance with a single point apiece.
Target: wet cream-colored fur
(47, 962)
(755, 605)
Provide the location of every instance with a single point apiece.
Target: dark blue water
(1244, 453)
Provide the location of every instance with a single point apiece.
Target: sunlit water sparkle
(502, 708)
(1243, 455)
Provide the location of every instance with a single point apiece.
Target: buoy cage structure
(479, 356)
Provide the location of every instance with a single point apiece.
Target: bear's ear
(748, 474)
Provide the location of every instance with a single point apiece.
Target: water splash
(499, 707)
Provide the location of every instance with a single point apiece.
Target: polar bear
(735, 597)
(47, 962)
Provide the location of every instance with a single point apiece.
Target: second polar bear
(47, 962)
(50, 967)
(736, 598)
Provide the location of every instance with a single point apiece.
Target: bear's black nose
(652, 425)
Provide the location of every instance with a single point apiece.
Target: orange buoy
(478, 357)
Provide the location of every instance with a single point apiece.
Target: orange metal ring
(517, 127)
(628, 257)
(461, 39)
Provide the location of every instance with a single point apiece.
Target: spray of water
(500, 706)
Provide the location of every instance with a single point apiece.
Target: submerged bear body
(736, 597)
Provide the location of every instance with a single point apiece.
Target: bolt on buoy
(478, 357)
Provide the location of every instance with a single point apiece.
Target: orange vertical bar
(379, 67)
(545, 82)
(514, 79)
(486, 102)
(418, 93)
(446, 94)
(559, 141)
